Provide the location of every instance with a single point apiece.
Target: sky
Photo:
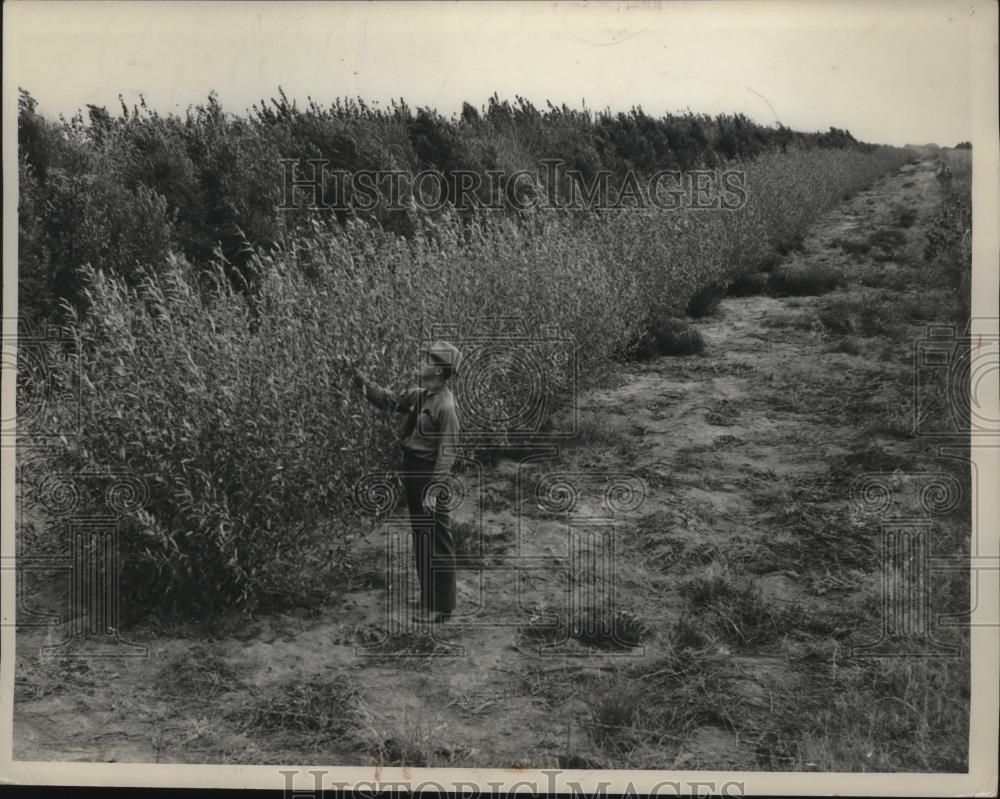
(892, 72)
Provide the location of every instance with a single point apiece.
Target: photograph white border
(985, 647)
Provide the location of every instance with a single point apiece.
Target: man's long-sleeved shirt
(431, 430)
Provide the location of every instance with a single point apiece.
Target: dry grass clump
(731, 607)
(747, 284)
(660, 703)
(801, 280)
(597, 627)
(667, 337)
(318, 710)
(199, 671)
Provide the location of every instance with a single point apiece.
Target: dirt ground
(705, 504)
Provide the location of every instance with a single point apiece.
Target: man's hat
(445, 354)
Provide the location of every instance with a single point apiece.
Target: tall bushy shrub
(241, 438)
(76, 207)
(234, 407)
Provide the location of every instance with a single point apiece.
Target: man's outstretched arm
(382, 398)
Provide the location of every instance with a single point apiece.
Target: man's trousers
(433, 545)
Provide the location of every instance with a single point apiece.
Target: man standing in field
(430, 441)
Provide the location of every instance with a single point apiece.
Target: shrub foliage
(210, 329)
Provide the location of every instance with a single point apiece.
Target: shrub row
(949, 234)
(117, 191)
(234, 407)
